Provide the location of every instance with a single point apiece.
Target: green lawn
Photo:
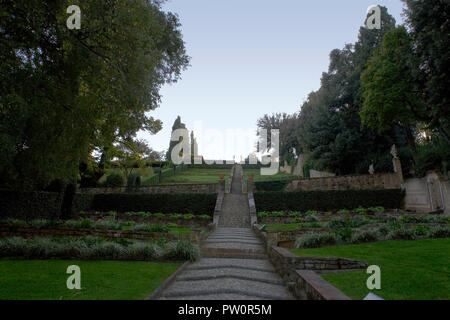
(46, 279)
(198, 176)
(410, 270)
(259, 177)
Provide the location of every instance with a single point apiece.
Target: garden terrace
(356, 229)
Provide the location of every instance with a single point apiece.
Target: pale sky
(249, 58)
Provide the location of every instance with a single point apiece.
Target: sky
(250, 58)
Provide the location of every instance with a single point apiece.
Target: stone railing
(218, 208)
(374, 181)
(178, 188)
(252, 207)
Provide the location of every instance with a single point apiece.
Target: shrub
(271, 185)
(402, 233)
(176, 216)
(344, 234)
(420, 230)
(205, 217)
(181, 250)
(114, 180)
(30, 205)
(315, 240)
(84, 223)
(311, 213)
(188, 216)
(311, 218)
(294, 214)
(378, 209)
(263, 215)
(344, 212)
(365, 236)
(440, 232)
(325, 200)
(159, 215)
(360, 211)
(277, 214)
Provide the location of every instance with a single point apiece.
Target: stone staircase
(234, 264)
(233, 243)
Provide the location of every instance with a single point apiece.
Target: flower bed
(182, 220)
(106, 228)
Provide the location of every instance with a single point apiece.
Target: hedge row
(273, 185)
(49, 205)
(328, 200)
(30, 205)
(194, 203)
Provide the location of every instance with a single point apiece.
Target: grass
(178, 230)
(115, 280)
(259, 177)
(410, 270)
(198, 176)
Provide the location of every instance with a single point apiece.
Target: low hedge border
(328, 200)
(193, 203)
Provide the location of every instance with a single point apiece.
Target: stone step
(251, 288)
(233, 253)
(218, 296)
(235, 273)
(251, 264)
(228, 241)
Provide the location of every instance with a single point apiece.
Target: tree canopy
(65, 93)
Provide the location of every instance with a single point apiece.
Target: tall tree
(65, 93)
(390, 95)
(429, 26)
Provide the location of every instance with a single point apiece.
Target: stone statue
(371, 169)
(394, 152)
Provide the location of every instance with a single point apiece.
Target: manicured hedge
(195, 203)
(30, 205)
(273, 185)
(328, 200)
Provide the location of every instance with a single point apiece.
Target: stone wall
(178, 188)
(320, 174)
(375, 181)
(430, 193)
(309, 285)
(30, 232)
